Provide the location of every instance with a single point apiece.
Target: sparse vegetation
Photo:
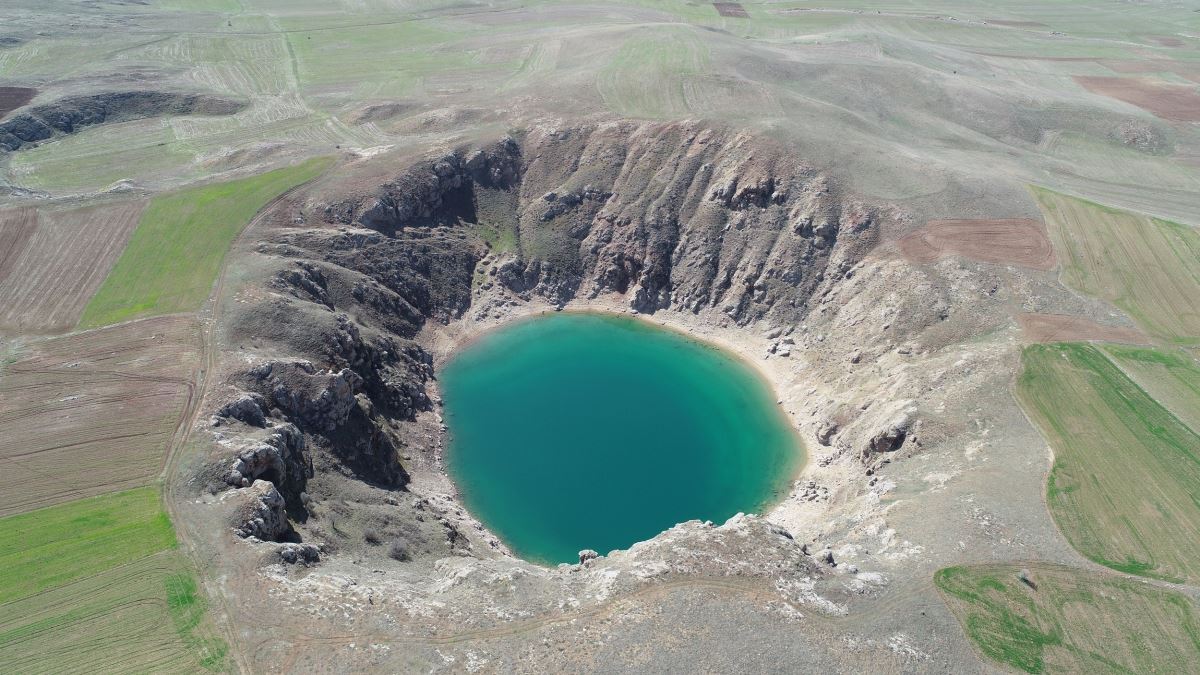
(1126, 471)
(177, 249)
(1068, 620)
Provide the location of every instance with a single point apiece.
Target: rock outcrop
(68, 115)
(680, 217)
(260, 513)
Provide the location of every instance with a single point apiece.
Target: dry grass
(55, 261)
(1148, 267)
(92, 412)
(1003, 241)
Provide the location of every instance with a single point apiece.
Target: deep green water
(573, 431)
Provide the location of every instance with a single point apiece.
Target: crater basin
(572, 431)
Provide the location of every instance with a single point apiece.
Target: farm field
(1148, 267)
(50, 547)
(1066, 328)
(1073, 621)
(92, 412)
(1005, 241)
(1172, 378)
(1126, 471)
(97, 584)
(176, 251)
(55, 260)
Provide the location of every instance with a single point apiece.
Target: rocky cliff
(674, 217)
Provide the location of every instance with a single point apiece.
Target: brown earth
(1168, 101)
(1184, 69)
(12, 98)
(731, 9)
(63, 259)
(16, 227)
(1166, 40)
(92, 412)
(1006, 241)
(1062, 328)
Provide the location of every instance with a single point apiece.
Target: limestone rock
(260, 513)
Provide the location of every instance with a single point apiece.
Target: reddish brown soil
(1168, 101)
(63, 259)
(731, 9)
(1062, 328)
(1012, 242)
(1167, 40)
(1184, 69)
(12, 98)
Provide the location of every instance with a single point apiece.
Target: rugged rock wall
(68, 115)
(676, 217)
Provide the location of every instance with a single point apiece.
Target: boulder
(260, 513)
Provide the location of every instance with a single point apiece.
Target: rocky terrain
(328, 438)
(71, 114)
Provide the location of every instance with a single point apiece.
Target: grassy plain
(176, 251)
(1125, 484)
(1071, 620)
(1148, 267)
(97, 584)
(50, 547)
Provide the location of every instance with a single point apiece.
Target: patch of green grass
(142, 616)
(56, 545)
(1125, 484)
(175, 254)
(1171, 377)
(1071, 620)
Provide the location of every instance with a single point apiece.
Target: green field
(56, 545)
(1148, 267)
(97, 584)
(1125, 484)
(1072, 620)
(1172, 378)
(176, 251)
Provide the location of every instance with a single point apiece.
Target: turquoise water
(572, 431)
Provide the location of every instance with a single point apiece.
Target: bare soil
(1020, 242)
(731, 9)
(1062, 328)
(1168, 101)
(92, 412)
(12, 98)
(57, 261)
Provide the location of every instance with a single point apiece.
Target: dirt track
(1009, 242)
